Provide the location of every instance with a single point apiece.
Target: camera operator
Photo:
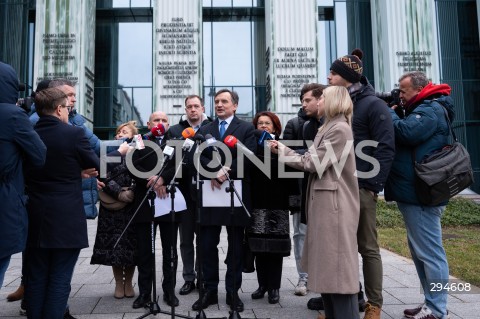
(393, 100)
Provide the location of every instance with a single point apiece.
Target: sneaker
(410, 313)
(301, 288)
(425, 313)
(372, 312)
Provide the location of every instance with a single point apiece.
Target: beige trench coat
(330, 252)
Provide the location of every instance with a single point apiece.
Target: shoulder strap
(449, 127)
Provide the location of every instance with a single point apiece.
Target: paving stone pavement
(92, 291)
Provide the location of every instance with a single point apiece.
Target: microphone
(188, 133)
(157, 130)
(263, 136)
(231, 141)
(211, 141)
(136, 141)
(199, 138)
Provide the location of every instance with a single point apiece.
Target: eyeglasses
(264, 123)
(69, 108)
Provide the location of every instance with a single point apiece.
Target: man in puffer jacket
(423, 130)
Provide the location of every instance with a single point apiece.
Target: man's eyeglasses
(69, 108)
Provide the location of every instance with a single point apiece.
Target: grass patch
(461, 236)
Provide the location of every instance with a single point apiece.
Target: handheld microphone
(157, 130)
(263, 136)
(188, 133)
(211, 141)
(199, 138)
(231, 141)
(137, 142)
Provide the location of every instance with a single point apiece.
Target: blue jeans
(299, 231)
(4, 262)
(424, 234)
(47, 287)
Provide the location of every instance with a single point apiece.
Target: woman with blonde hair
(330, 254)
(114, 217)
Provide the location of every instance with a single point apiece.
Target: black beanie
(349, 67)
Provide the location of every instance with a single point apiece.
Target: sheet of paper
(219, 197)
(164, 206)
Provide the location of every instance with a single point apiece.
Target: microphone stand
(154, 307)
(231, 189)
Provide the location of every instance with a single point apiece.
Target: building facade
(131, 57)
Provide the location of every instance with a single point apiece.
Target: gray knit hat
(349, 67)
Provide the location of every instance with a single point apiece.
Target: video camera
(393, 98)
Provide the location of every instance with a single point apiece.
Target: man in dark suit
(57, 225)
(212, 219)
(195, 118)
(142, 222)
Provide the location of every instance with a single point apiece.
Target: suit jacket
(243, 131)
(55, 209)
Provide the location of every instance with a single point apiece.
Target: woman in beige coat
(330, 251)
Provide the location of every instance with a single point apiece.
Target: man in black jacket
(373, 128)
(195, 118)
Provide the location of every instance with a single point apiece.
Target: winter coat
(89, 185)
(330, 252)
(372, 122)
(424, 129)
(20, 147)
(269, 231)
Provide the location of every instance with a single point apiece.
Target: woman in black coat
(269, 234)
(112, 221)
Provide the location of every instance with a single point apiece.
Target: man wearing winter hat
(371, 123)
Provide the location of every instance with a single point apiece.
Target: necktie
(222, 128)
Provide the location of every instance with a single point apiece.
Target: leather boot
(119, 286)
(129, 291)
(17, 294)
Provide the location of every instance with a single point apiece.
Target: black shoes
(273, 296)
(209, 298)
(187, 288)
(231, 297)
(259, 293)
(315, 304)
(142, 301)
(171, 301)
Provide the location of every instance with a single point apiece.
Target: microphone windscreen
(230, 141)
(199, 137)
(158, 130)
(188, 132)
(208, 136)
(21, 87)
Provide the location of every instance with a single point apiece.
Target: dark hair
(193, 96)
(59, 82)
(316, 88)
(46, 101)
(233, 95)
(277, 126)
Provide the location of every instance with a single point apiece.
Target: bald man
(142, 225)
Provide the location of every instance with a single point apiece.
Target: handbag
(444, 173)
(124, 198)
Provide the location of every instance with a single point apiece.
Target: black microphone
(199, 138)
(262, 136)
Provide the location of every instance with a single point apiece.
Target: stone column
(291, 53)
(404, 39)
(65, 47)
(177, 71)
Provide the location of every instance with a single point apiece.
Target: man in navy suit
(57, 225)
(212, 219)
